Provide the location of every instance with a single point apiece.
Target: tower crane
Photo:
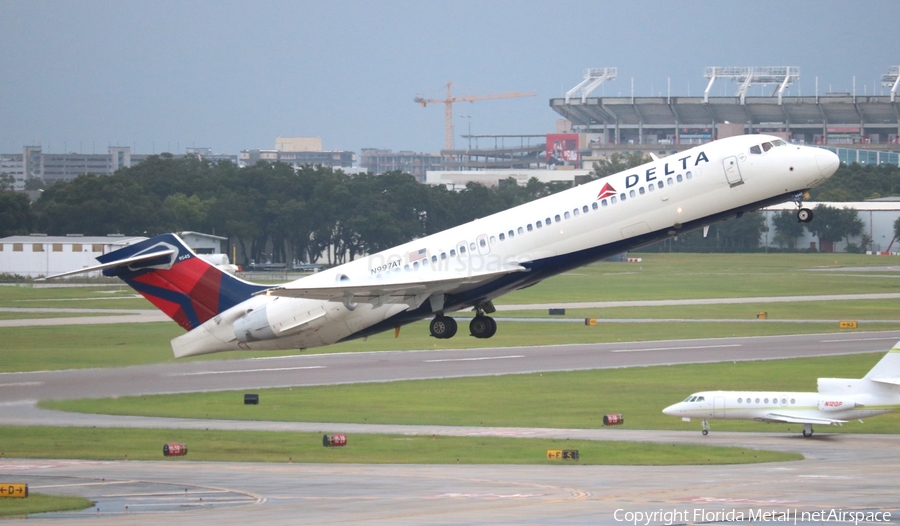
(448, 107)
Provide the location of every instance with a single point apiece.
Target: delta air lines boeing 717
(468, 266)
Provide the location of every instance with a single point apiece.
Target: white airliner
(468, 266)
(837, 401)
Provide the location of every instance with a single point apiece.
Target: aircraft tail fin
(887, 370)
(170, 275)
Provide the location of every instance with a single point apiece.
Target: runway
(856, 472)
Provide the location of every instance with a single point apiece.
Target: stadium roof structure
(824, 111)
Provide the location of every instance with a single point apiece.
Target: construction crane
(448, 107)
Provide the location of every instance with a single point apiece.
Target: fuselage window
(612, 200)
(567, 215)
(651, 187)
(434, 259)
(755, 150)
(604, 203)
(766, 400)
(405, 267)
(678, 178)
(528, 227)
(757, 400)
(557, 218)
(548, 221)
(482, 243)
(502, 237)
(471, 247)
(462, 250)
(793, 401)
(660, 184)
(415, 265)
(740, 400)
(622, 196)
(594, 205)
(538, 224)
(424, 262)
(766, 146)
(452, 252)
(784, 401)
(631, 193)
(575, 212)
(511, 234)
(584, 208)
(641, 190)
(688, 175)
(669, 181)
(520, 230)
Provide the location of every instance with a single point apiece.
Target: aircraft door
(483, 246)
(719, 407)
(732, 171)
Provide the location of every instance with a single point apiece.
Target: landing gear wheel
(807, 430)
(443, 327)
(705, 430)
(804, 215)
(483, 326)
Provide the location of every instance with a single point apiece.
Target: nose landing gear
(804, 215)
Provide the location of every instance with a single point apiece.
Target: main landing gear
(804, 215)
(807, 430)
(705, 430)
(481, 326)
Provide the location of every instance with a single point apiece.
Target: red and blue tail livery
(169, 274)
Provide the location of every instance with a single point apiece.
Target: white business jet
(468, 266)
(837, 401)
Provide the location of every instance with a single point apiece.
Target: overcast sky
(165, 75)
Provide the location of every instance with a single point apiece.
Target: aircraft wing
(793, 419)
(410, 289)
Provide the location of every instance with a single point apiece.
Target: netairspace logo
(672, 516)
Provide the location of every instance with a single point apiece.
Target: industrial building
(298, 152)
(42, 255)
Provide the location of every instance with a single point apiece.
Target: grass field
(261, 446)
(577, 399)
(41, 503)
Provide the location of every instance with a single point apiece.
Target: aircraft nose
(670, 410)
(828, 162)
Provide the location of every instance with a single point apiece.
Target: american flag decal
(417, 255)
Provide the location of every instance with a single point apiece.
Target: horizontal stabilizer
(891, 381)
(407, 288)
(117, 263)
(792, 419)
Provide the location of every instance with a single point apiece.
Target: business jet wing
(792, 419)
(407, 288)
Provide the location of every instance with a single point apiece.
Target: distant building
(299, 151)
(41, 255)
(457, 180)
(33, 163)
(378, 161)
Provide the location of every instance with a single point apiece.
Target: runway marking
(677, 348)
(74, 485)
(858, 340)
(476, 359)
(237, 371)
(21, 384)
(489, 496)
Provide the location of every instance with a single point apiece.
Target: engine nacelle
(834, 403)
(254, 326)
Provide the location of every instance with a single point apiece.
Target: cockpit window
(766, 146)
(755, 150)
(779, 142)
(700, 398)
(688, 399)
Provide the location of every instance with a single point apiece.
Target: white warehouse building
(877, 216)
(42, 255)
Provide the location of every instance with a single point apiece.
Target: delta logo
(606, 191)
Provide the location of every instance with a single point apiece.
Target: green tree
(787, 229)
(832, 224)
(617, 162)
(16, 215)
